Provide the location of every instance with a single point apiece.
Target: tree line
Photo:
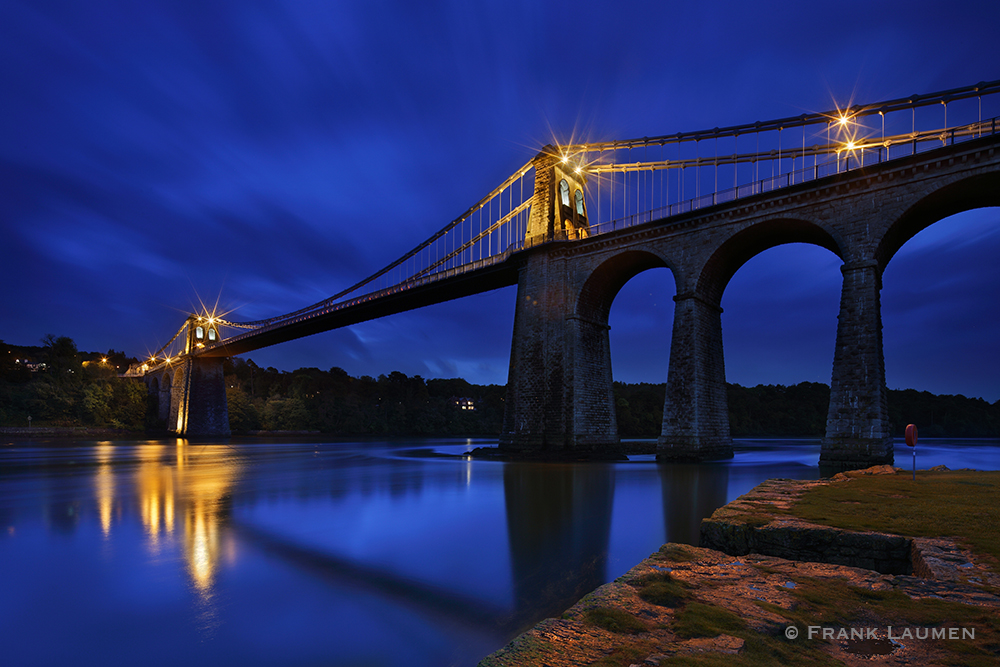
(57, 385)
(800, 410)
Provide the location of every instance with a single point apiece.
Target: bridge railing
(844, 160)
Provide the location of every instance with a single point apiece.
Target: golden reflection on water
(182, 493)
(105, 483)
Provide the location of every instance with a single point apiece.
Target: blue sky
(268, 154)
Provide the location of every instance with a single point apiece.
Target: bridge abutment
(198, 404)
(695, 410)
(559, 394)
(858, 433)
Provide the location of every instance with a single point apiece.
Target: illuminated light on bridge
(580, 202)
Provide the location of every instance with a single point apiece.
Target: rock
(721, 644)
(885, 469)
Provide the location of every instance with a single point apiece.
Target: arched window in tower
(211, 334)
(199, 333)
(579, 202)
(564, 192)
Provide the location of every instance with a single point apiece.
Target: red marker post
(911, 441)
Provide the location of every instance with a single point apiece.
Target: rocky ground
(695, 605)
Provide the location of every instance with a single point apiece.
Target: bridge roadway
(492, 276)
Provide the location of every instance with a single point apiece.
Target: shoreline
(757, 576)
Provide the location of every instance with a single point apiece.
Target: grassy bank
(962, 504)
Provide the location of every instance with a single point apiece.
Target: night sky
(264, 155)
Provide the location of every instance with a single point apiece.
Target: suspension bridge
(575, 222)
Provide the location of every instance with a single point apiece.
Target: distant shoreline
(66, 431)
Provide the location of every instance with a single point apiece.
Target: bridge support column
(559, 397)
(163, 399)
(198, 404)
(858, 433)
(695, 410)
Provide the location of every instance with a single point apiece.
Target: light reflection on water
(376, 552)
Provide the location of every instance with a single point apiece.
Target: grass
(701, 620)
(661, 589)
(938, 504)
(677, 553)
(615, 620)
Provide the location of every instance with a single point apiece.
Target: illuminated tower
(559, 212)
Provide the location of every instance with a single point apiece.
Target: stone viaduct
(559, 393)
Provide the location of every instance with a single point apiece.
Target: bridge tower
(198, 404)
(560, 209)
(559, 395)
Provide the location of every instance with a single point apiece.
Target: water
(257, 552)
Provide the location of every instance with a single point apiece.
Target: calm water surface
(255, 552)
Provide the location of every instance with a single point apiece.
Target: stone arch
(978, 191)
(746, 244)
(593, 302)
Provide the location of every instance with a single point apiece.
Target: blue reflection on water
(337, 553)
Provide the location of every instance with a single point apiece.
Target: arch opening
(779, 328)
(748, 243)
(973, 193)
(641, 321)
(637, 333)
(603, 285)
(939, 311)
